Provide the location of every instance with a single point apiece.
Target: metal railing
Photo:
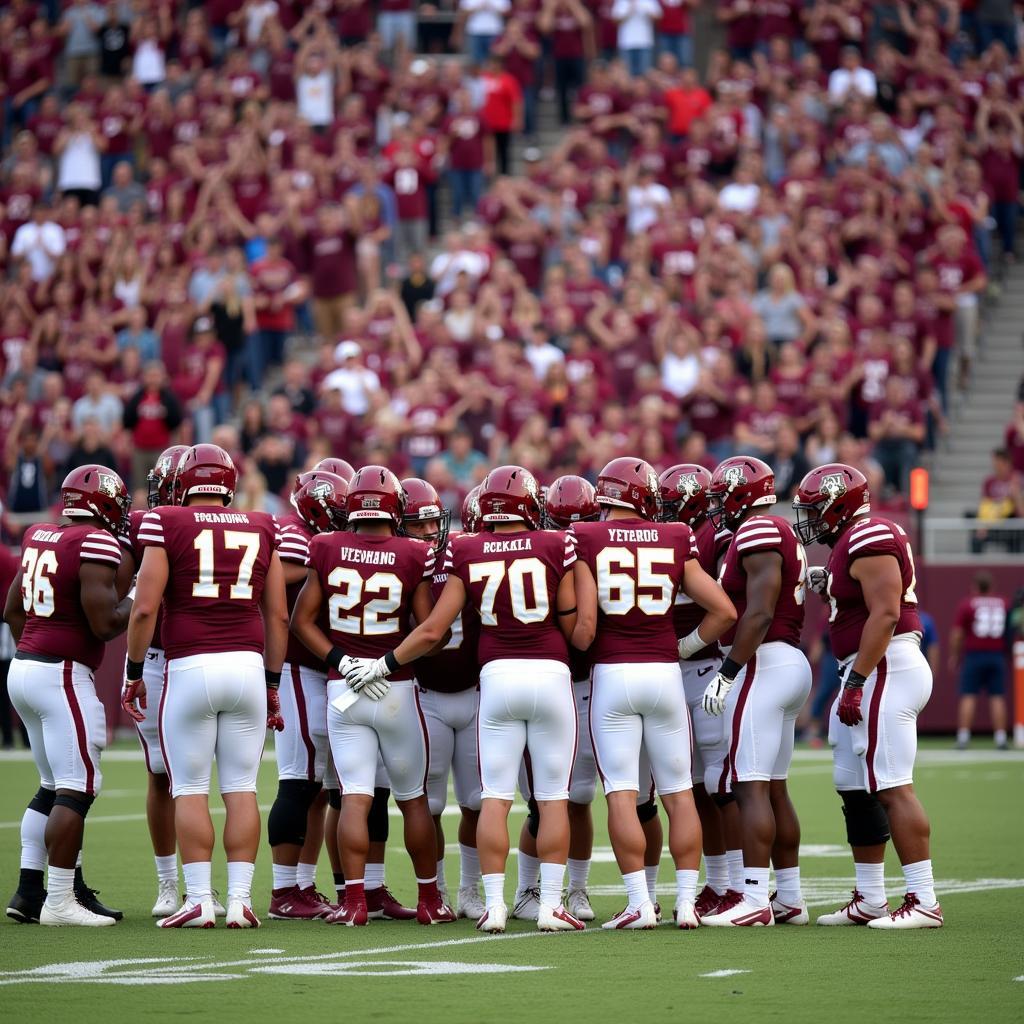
(997, 541)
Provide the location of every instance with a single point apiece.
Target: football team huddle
(644, 632)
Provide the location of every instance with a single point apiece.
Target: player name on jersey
(361, 557)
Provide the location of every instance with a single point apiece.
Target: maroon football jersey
(369, 583)
(512, 581)
(294, 548)
(456, 667)
(757, 534)
(638, 567)
(687, 615)
(983, 621)
(136, 549)
(219, 561)
(868, 537)
(55, 624)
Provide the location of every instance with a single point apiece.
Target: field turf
(972, 970)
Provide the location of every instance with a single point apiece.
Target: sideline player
(371, 582)
(627, 572)
(225, 629)
(886, 682)
(517, 578)
(760, 687)
(449, 682)
(62, 608)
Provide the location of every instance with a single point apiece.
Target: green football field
(973, 969)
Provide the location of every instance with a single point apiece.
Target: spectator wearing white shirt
(98, 405)
(646, 201)
(540, 353)
(741, 195)
(458, 259)
(77, 148)
(354, 382)
(636, 20)
(41, 242)
(851, 79)
(314, 91)
(484, 21)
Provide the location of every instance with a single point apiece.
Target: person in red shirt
(686, 102)
(502, 112)
(277, 292)
(977, 646)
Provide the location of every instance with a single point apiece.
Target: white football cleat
(685, 916)
(557, 919)
(739, 914)
(218, 907)
(910, 915)
(69, 912)
(493, 919)
(577, 902)
(527, 904)
(642, 917)
(786, 913)
(167, 899)
(240, 914)
(857, 912)
(191, 915)
(470, 903)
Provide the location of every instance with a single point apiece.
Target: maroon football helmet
(511, 494)
(631, 484)
(738, 485)
(684, 493)
(570, 499)
(375, 493)
(160, 479)
(96, 491)
(340, 467)
(423, 505)
(471, 511)
(320, 502)
(205, 469)
(827, 499)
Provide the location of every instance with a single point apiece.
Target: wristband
(729, 669)
(854, 679)
(273, 679)
(691, 643)
(133, 670)
(131, 593)
(569, 611)
(392, 662)
(334, 658)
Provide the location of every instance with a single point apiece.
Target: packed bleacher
(302, 229)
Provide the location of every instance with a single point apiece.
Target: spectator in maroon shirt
(570, 28)
(1013, 439)
(1002, 149)
(519, 48)
(470, 150)
(152, 415)
(897, 428)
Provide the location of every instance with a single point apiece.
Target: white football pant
(302, 748)
(451, 730)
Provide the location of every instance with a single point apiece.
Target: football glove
(817, 579)
(359, 672)
(376, 690)
(850, 698)
(275, 721)
(716, 693)
(132, 691)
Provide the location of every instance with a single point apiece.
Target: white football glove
(715, 695)
(362, 671)
(817, 579)
(376, 690)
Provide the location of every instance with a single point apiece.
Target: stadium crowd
(229, 221)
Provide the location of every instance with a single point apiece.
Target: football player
(371, 582)
(448, 697)
(684, 499)
(627, 572)
(885, 683)
(759, 688)
(516, 577)
(225, 630)
(62, 607)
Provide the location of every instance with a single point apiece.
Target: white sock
(305, 876)
(871, 883)
(651, 871)
(60, 884)
(240, 874)
(755, 886)
(494, 889)
(285, 876)
(963, 735)
(579, 872)
(529, 872)
(373, 876)
(167, 868)
(686, 885)
(78, 859)
(469, 867)
(636, 888)
(787, 884)
(442, 884)
(716, 872)
(197, 880)
(33, 840)
(1000, 737)
(736, 876)
(921, 882)
(552, 876)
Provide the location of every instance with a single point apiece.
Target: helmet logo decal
(321, 489)
(688, 485)
(832, 486)
(734, 477)
(107, 484)
(370, 502)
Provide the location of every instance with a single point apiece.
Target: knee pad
(867, 824)
(287, 820)
(723, 799)
(43, 801)
(377, 819)
(334, 799)
(647, 810)
(77, 802)
(533, 818)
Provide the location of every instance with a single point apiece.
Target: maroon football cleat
(292, 904)
(319, 900)
(707, 901)
(434, 910)
(382, 904)
(351, 915)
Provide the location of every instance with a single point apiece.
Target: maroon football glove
(849, 700)
(132, 691)
(274, 719)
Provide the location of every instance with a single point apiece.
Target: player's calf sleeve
(287, 820)
(533, 818)
(377, 820)
(77, 802)
(867, 824)
(647, 810)
(334, 799)
(43, 801)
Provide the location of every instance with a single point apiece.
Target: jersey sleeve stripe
(872, 528)
(96, 556)
(428, 565)
(152, 538)
(756, 531)
(759, 542)
(867, 542)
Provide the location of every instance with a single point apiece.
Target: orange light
(919, 489)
